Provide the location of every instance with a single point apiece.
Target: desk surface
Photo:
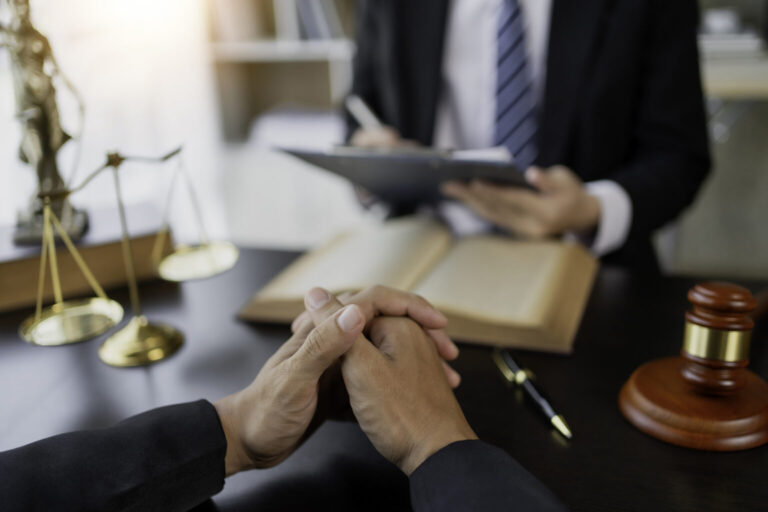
(608, 466)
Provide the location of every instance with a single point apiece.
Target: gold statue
(34, 69)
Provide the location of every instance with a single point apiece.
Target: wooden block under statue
(100, 247)
(706, 398)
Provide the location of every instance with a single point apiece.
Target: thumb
(540, 179)
(553, 179)
(328, 341)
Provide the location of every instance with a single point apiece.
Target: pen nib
(559, 423)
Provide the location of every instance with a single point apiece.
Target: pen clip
(509, 374)
(524, 375)
(505, 370)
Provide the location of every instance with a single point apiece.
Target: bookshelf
(733, 43)
(271, 52)
(283, 51)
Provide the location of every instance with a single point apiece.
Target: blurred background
(229, 79)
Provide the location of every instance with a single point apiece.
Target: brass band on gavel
(717, 344)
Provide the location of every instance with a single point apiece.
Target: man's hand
(265, 422)
(385, 137)
(378, 301)
(300, 385)
(400, 395)
(399, 392)
(561, 205)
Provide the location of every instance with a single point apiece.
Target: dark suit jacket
(172, 458)
(622, 99)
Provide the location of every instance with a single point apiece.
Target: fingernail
(317, 298)
(349, 319)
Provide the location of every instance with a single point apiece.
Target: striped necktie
(516, 124)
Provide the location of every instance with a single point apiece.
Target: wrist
(435, 442)
(589, 213)
(235, 459)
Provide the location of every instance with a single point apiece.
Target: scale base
(29, 225)
(140, 343)
(660, 403)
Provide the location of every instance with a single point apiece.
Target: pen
(362, 113)
(522, 377)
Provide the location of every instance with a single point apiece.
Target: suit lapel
(420, 55)
(573, 40)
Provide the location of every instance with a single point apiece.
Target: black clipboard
(408, 176)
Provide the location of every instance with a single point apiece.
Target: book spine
(333, 18)
(313, 20)
(236, 20)
(286, 20)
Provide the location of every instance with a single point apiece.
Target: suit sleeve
(473, 475)
(171, 458)
(672, 155)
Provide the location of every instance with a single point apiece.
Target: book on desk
(101, 249)
(493, 289)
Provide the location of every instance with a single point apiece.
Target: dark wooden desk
(609, 466)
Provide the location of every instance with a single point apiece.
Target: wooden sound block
(658, 401)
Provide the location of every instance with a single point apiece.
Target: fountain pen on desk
(522, 377)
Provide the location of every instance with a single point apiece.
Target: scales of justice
(51, 217)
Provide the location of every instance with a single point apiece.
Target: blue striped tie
(516, 124)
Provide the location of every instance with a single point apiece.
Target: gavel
(717, 336)
(706, 398)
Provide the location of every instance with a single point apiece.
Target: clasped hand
(377, 356)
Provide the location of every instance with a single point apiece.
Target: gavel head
(717, 334)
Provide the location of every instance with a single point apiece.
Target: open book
(493, 289)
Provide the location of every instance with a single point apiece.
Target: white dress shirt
(466, 109)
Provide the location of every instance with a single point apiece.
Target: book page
(396, 254)
(495, 279)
